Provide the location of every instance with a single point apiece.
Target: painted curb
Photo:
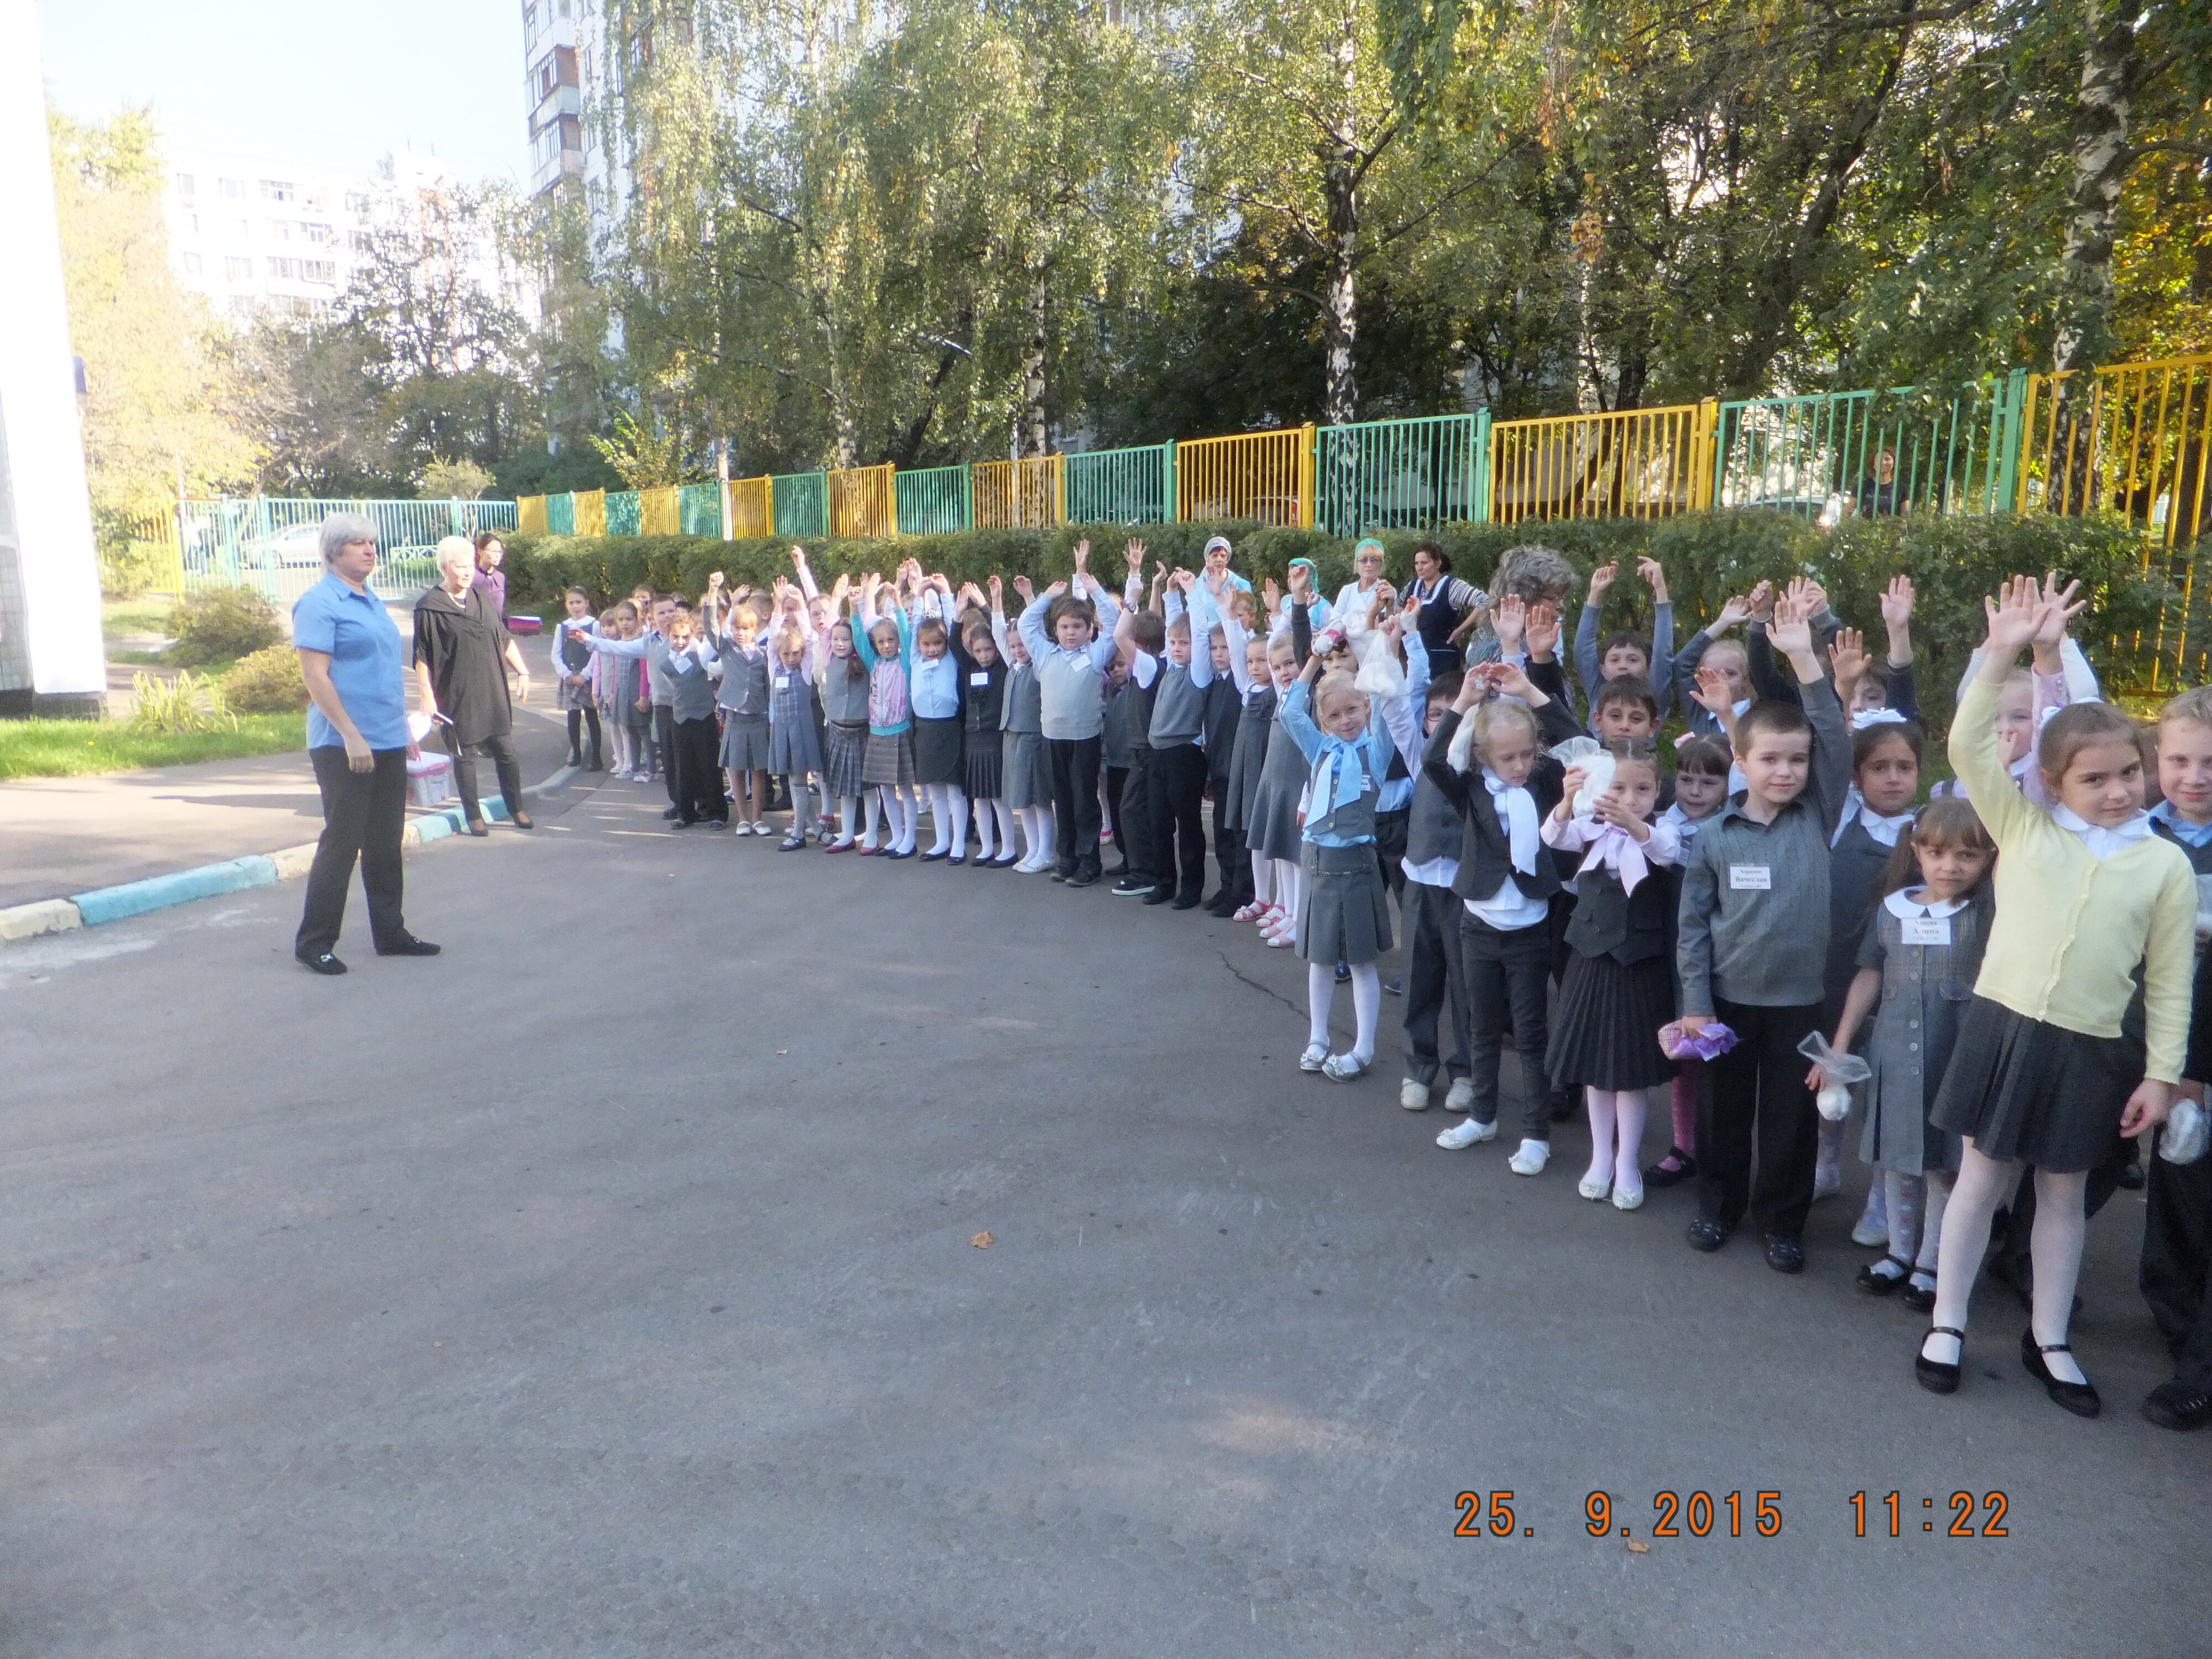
(43, 917)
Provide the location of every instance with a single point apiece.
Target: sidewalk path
(60, 836)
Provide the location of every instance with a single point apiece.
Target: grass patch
(62, 749)
(149, 613)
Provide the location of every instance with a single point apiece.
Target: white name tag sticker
(1925, 930)
(980, 677)
(1750, 878)
(783, 682)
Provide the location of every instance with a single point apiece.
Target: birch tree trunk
(1032, 433)
(1340, 191)
(2102, 159)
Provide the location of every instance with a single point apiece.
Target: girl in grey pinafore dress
(845, 714)
(1024, 782)
(1271, 810)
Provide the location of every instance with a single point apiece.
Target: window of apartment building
(185, 184)
(192, 224)
(318, 270)
(234, 189)
(236, 270)
(242, 230)
(282, 269)
(356, 201)
(191, 264)
(279, 190)
(280, 230)
(321, 236)
(361, 241)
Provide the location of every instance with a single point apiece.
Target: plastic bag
(1841, 1071)
(1589, 755)
(1710, 1044)
(1380, 673)
(2182, 1140)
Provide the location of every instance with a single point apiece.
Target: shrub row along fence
(2133, 439)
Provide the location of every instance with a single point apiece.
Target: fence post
(1306, 475)
(1702, 451)
(1168, 481)
(1058, 489)
(1481, 458)
(2011, 434)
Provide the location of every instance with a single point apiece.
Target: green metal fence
(699, 509)
(1122, 486)
(1870, 453)
(275, 545)
(1402, 475)
(622, 512)
(935, 500)
(561, 516)
(801, 504)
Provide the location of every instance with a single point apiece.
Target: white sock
(909, 803)
(801, 799)
(1366, 1007)
(1035, 834)
(848, 809)
(940, 817)
(1531, 1158)
(1937, 1186)
(873, 802)
(1004, 815)
(956, 803)
(1263, 881)
(1629, 1106)
(986, 842)
(1600, 1103)
(1320, 992)
(2054, 1245)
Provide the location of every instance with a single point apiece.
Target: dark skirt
(1025, 777)
(888, 760)
(1344, 909)
(1248, 758)
(2028, 1093)
(843, 756)
(937, 751)
(794, 747)
(745, 745)
(985, 757)
(1606, 1033)
(1270, 828)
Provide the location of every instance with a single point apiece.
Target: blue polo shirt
(367, 668)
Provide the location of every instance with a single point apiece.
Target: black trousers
(1075, 763)
(1435, 983)
(1117, 779)
(1505, 973)
(2177, 1262)
(363, 813)
(577, 719)
(1759, 1098)
(695, 771)
(1230, 856)
(1177, 805)
(1137, 815)
(499, 750)
(664, 743)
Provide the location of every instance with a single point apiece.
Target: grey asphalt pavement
(611, 1286)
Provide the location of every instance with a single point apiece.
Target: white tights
(1366, 1005)
(902, 816)
(1037, 830)
(988, 813)
(1616, 1121)
(1285, 884)
(2054, 1246)
(848, 816)
(948, 816)
(624, 744)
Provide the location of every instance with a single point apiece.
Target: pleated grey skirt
(1344, 909)
(843, 756)
(1025, 780)
(2029, 1092)
(745, 745)
(794, 747)
(937, 751)
(888, 760)
(1606, 1033)
(1271, 830)
(1248, 759)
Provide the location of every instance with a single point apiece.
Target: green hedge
(1953, 561)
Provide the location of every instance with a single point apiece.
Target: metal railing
(623, 514)
(1029, 494)
(1635, 464)
(1122, 486)
(1832, 454)
(860, 502)
(752, 506)
(274, 545)
(591, 512)
(698, 511)
(2139, 443)
(658, 510)
(1267, 475)
(933, 502)
(1401, 475)
(799, 504)
(530, 515)
(561, 514)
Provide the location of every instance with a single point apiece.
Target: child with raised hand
(1175, 683)
(1710, 648)
(2045, 1069)
(1753, 939)
(1069, 634)
(845, 687)
(618, 687)
(1276, 810)
(984, 675)
(1619, 987)
(731, 639)
(933, 682)
(1701, 766)
(794, 743)
(572, 681)
(1435, 974)
(887, 764)
(1025, 776)
(1247, 651)
(1344, 914)
(1501, 784)
(1623, 655)
(1917, 958)
(1875, 693)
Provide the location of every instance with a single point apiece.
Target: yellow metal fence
(2133, 438)
(1024, 494)
(861, 502)
(1635, 464)
(659, 512)
(590, 513)
(752, 507)
(1267, 475)
(530, 515)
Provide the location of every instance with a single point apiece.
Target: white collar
(1904, 909)
(2102, 842)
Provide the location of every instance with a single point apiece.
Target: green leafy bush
(268, 681)
(219, 623)
(179, 707)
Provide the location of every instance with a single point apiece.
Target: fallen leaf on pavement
(981, 1240)
(1637, 1547)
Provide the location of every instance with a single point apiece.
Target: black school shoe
(1160, 895)
(1660, 1176)
(1132, 886)
(1084, 878)
(2178, 1405)
(324, 963)
(407, 946)
(1785, 1255)
(1707, 1236)
(1186, 901)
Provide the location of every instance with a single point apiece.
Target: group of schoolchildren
(1762, 914)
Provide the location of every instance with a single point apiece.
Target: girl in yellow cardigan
(2043, 1071)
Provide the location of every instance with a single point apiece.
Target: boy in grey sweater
(1754, 926)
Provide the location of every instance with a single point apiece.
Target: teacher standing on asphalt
(462, 654)
(357, 738)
